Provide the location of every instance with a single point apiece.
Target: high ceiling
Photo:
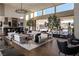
(31, 6)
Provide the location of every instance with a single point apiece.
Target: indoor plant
(30, 23)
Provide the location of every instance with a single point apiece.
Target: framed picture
(0, 24)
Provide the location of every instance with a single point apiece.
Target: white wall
(1, 17)
(1, 20)
(76, 21)
(10, 12)
(1, 10)
(7, 11)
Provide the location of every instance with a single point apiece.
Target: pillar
(76, 20)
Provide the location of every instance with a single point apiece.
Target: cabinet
(12, 29)
(10, 24)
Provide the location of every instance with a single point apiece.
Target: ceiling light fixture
(22, 11)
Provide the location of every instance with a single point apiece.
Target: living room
(33, 29)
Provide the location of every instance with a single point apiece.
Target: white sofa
(16, 36)
(10, 35)
(43, 37)
(19, 38)
(33, 34)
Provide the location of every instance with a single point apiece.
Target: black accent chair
(72, 40)
(37, 38)
(63, 48)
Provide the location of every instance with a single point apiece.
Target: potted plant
(54, 22)
(50, 23)
(30, 23)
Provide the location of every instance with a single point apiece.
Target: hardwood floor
(48, 49)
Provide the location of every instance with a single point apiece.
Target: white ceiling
(31, 6)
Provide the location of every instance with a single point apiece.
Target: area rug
(32, 45)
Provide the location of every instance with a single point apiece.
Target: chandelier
(21, 10)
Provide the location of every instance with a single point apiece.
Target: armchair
(63, 48)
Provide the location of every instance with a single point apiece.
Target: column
(2, 13)
(76, 20)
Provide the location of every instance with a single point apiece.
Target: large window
(65, 7)
(59, 8)
(48, 10)
(38, 13)
(35, 14)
